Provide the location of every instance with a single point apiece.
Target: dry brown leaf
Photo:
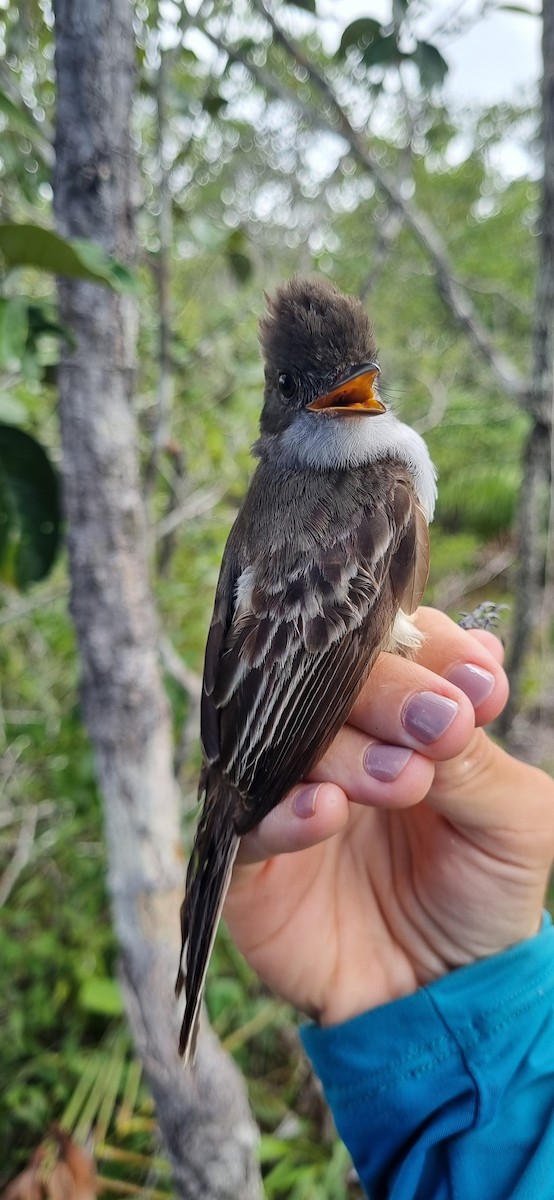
(27, 1185)
(80, 1164)
(60, 1184)
(61, 1172)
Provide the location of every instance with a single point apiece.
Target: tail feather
(208, 878)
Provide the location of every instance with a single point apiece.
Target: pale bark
(534, 566)
(204, 1117)
(164, 399)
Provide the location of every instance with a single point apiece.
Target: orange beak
(352, 395)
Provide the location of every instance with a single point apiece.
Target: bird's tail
(208, 877)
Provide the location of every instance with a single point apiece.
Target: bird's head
(319, 356)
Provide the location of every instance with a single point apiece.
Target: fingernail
(384, 762)
(304, 802)
(427, 716)
(474, 681)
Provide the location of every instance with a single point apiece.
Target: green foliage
(307, 5)
(29, 509)
(102, 996)
(361, 33)
(451, 554)
(481, 500)
(299, 1154)
(518, 8)
(478, 464)
(14, 325)
(25, 324)
(30, 246)
(29, 500)
(55, 933)
(17, 116)
(62, 1055)
(382, 47)
(111, 1107)
(300, 1167)
(430, 63)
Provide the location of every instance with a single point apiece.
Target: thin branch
(386, 235)
(503, 293)
(437, 408)
(191, 683)
(21, 856)
(24, 607)
(196, 505)
(43, 810)
(43, 133)
(176, 667)
(163, 281)
(269, 84)
(455, 589)
(450, 287)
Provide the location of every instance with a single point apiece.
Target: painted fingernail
(474, 681)
(427, 716)
(304, 802)
(384, 762)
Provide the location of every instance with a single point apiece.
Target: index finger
(451, 660)
(444, 638)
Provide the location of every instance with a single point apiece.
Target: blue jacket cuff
(473, 1051)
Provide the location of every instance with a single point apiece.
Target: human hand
(369, 881)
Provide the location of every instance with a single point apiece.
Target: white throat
(337, 443)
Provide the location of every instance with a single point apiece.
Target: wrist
(397, 979)
(361, 992)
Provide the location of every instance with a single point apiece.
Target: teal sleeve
(448, 1094)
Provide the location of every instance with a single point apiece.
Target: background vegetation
(240, 186)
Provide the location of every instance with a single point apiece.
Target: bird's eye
(287, 385)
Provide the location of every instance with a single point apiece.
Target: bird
(326, 560)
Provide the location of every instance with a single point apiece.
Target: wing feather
(410, 566)
(293, 639)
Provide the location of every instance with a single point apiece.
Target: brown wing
(286, 660)
(410, 564)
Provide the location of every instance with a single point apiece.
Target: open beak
(355, 393)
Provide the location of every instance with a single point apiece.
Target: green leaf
(101, 266)
(32, 246)
(271, 1148)
(237, 256)
(383, 52)
(22, 323)
(29, 509)
(431, 64)
(41, 322)
(518, 8)
(360, 33)
(213, 103)
(240, 265)
(101, 995)
(18, 117)
(12, 410)
(307, 5)
(14, 325)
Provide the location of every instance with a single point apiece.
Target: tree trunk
(204, 1116)
(530, 564)
(537, 474)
